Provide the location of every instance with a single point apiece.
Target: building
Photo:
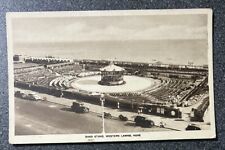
(112, 75)
(18, 59)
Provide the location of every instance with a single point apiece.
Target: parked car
(20, 94)
(143, 122)
(107, 115)
(79, 108)
(33, 96)
(193, 127)
(123, 118)
(30, 96)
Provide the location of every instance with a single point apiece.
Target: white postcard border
(79, 138)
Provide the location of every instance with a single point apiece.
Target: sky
(175, 39)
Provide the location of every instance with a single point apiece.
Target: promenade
(169, 123)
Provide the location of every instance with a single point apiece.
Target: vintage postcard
(107, 76)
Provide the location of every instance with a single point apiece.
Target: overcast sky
(177, 34)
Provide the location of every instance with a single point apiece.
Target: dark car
(107, 115)
(79, 108)
(20, 94)
(143, 122)
(193, 127)
(123, 118)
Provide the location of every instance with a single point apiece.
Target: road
(38, 117)
(42, 117)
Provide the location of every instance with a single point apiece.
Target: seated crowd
(45, 76)
(170, 91)
(38, 77)
(69, 69)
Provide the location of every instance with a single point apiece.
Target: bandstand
(112, 75)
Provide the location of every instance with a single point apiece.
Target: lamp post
(102, 99)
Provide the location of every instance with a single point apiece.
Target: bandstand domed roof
(112, 67)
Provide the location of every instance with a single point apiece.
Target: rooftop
(112, 67)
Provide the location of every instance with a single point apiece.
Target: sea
(164, 51)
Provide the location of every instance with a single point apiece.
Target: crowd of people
(71, 69)
(34, 76)
(171, 90)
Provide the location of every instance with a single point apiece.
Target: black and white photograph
(107, 76)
